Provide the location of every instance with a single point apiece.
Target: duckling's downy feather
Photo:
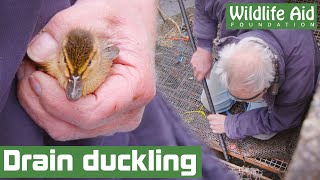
(83, 54)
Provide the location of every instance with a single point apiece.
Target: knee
(264, 136)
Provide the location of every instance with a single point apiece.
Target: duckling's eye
(90, 62)
(64, 59)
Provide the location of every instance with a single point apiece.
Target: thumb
(44, 46)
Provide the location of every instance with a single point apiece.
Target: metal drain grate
(245, 172)
(273, 163)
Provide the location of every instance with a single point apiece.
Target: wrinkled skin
(216, 122)
(201, 64)
(118, 104)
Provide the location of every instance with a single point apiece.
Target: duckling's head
(79, 51)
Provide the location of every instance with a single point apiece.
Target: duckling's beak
(74, 88)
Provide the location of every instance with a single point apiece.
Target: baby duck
(82, 64)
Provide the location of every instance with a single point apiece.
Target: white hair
(257, 78)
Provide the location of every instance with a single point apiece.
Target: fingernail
(35, 85)
(20, 73)
(42, 47)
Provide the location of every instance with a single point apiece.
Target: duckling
(83, 62)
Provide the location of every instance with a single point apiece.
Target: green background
(79, 151)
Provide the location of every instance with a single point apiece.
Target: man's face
(246, 95)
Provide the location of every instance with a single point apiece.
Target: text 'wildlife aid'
(95, 162)
(271, 16)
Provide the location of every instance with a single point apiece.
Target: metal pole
(204, 82)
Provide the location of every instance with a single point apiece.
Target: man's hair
(260, 76)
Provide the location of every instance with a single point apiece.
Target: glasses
(247, 99)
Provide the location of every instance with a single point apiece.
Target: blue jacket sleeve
(17, 22)
(205, 23)
(265, 121)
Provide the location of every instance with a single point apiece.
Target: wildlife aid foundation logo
(271, 16)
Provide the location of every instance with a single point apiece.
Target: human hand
(201, 63)
(216, 122)
(118, 104)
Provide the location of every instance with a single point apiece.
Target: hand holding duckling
(118, 103)
(82, 63)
